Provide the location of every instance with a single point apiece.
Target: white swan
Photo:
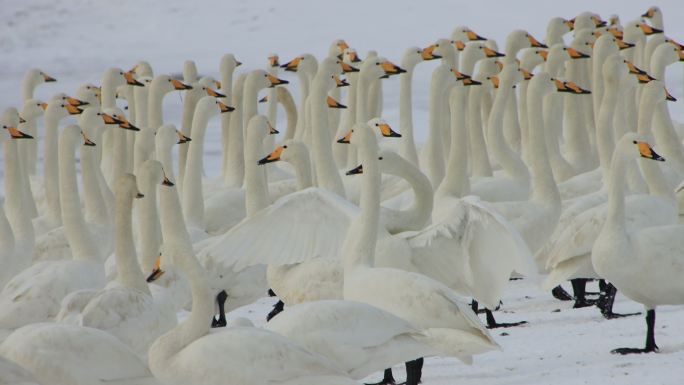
(29, 152)
(34, 295)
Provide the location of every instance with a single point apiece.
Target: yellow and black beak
(125, 124)
(647, 151)
(575, 54)
(387, 131)
(570, 87)
(598, 22)
(217, 83)
(340, 82)
(342, 45)
(332, 103)
(674, 43)
(179, 85)
(16, 134)
(535, 43)
(644, 78)
(616, 33)
(214, 93)
(108, 119)
(273, 61)
(491, 53)
(544, 54)
(459, 45)
(73, 110)
(272, 130)
(346, 139)
(495, 81)
(470, 82)
(428, 53)
(527, 75)
(75, 102)
(570, 23)
(669, 96)
(44, 106)
(48, 79)
(623, 44)
(649, 14)
(182, 138)
(356, 170)
(347, 68)
(272, 157)
(264, 99)
(224, 107)
(292, 65)
(131, 81)
(354, 57)
(157, 271)
(275, 81)
(459, 75)
(166, 181)
(391, 69)
(139, 195)
(648, 30)
(472, 36)
(86, 141)
(22, 120)
(634, 70)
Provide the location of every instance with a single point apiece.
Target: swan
(30, 112)
(18, 240)
(305, 66)
(126, 308)
(188, 353)
(29, 151)
(643, 264)
(556, 28)
(34, 295)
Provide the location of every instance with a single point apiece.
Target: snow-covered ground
(76, 40)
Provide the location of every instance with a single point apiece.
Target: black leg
(221, 321)
(651, 346)
(277, 308)
(271, 293)
(387, 379)
(579, 286)
(492, 324)
(606, 300)
(560, 294)
(414, 371)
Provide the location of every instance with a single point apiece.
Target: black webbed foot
(560, 294)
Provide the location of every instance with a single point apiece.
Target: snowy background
(76, 40)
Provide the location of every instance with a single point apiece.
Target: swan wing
(307, 224)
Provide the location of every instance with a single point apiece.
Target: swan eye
(380, 158)
(352, 130)
(376, 124)
(4, 126)
(284, 146)
(99, 114)
(634, 141)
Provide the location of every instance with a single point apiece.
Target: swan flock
(551, 162)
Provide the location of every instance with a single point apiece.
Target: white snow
(76, 40)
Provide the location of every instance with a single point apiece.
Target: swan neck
(407, 145)
(604, 130)
(616, 193)
(478, 148)
(327, 175)
(50, 165)
(129, 273)
(150, 229)
(256, 188)
(506, 157)
(234, 164)
(543, 186)
(193, 200)
(456, 182)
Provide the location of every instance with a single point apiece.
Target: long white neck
(578, 148)
(148, 223)
(272, 108)
(193, 199)
(625, 120)
(119, 156)
(553, 122)
(6, 242)
(456, 183)
(105, 191)
(543, 186)
(93, 201)
(140, 95)
(165, 157)
(256, 190)
(304, 83)
(108, 91)
(348, 122)
(599, 56)
(604, 125)
(249, 99)
(22, 227)
(407, 146)
(433, 146)
(234, 157)
(129, 273)
(155, 98)
(226, 119)
(83, 247)
(28, 86)
(302, 166)
(285, 98)
(615, 220)
(479, 156)
(416, 216)
(187, 120)
(50, 168)
(507, 158)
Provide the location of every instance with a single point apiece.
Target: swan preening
(541, 163)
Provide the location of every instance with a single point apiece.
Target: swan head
(142, 69)
(189, 71)
(306, 63)
(116, 77)
(587, 20)
(89, 93)
(519, 39)
(465, 34)
(157, 271)
(62, 106)
(150, 175)
(32, 109)
(127, 188)
(379, 68)
(584, 41)
(93, 119)
(634, 146)
(614, 68)
(350, 56)
(120, 118)
(35, 76)
(289, 152)
(9, 121)
(273, 60)
(263, 79)
(559, 26)
(666, 54)
(228, 63)
(337, 48)
(531, 58)
(377, 125)
(166, 137)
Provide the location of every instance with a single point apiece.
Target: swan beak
(495, 81)
(598, 22)
(182, 138)
(535, 43)
(346, 139)
(391, 68)
(570, 87)
(275, 81)
(273, 61)
(342, 45)
(669, 96)
(575, 54)
(616, 33)
(139, 195)
(472, 36)
(73, 110)
(48, 79)
(428, 53)
(527, 75)
(86, 141)
(544, 54)
(131, 81)
(340, 82)
(644, 78)
(470, 82)
(570, 24)
(387, 131)
(167, 182)
(647, 152)
(680, 53)
(75, 102)
(356, 170)
(214, 93)
(217, 84)
(179, 86)
(354, 57)
(43, 106)
(264, 99)
(108, 119)
(272, 157)
(347, 68)
(272, 130)
(292, 65)
(459, 75)
(623, 44)
(157, 271)
(22, 120)
(459, 45)
(491, 53)
(648, 30)
(332, 103)
(125, 124)
(674, 43)
(224, 107)
(16, 134)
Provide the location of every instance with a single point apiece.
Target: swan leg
(277, 308)
(492, 324)
(476, 307)
(387, 378)
(560, 294)
(579, 288)
(414, 371)
(606, 301)
(651, 346)
(221, 321)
